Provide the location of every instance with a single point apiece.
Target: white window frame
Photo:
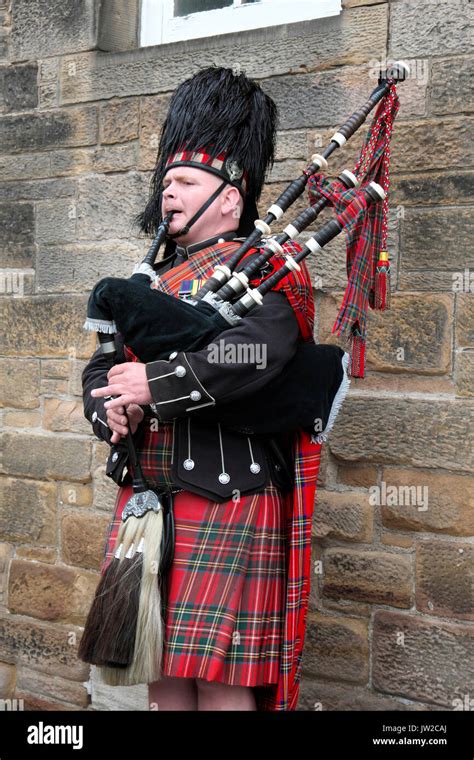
(158, 26)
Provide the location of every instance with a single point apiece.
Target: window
(165, 21)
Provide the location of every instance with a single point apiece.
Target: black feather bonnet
(225, 123)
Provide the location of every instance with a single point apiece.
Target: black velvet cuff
(175, 387)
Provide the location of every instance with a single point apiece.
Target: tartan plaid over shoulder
(299, 503)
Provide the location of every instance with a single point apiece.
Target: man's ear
(230, 200)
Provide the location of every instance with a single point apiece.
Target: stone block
(417, 145)
(376, 577)
(56, 222)
(292, 144)
(83, 539)
(44, 28)
(98, 160)
(46, 325)
(35, 703)
(22, 419)
(464, 320)
(445, 579)
(6, 553)
(346, 516)
(119, 120)
(47, 456)
(53, 386)
(394, 539)
(43, 687)
(107, 206)
(430, 28)
(119, 24)
(37, 554)
(465, 374)
(357, 476)
(451, 81)
(28, 511)
(78, 268)
(75, 384)
(414, 336)
(319, 695)
(445, 188)
(18, 87)
(152, 115)
(433, 434)
(51, 649)
(105, 491)
(446, 504)
(323, 97)
(61, 415)
(422, 659)
(48, 96)
(49, 130)
(7, 680)
(17, 229)
(50, 592)
(336, 648)
(422, 233)
(55, 369)
(31, 189)
(19, 383)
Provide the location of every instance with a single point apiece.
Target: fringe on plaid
(367, 261)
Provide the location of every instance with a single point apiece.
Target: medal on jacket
(189, 288)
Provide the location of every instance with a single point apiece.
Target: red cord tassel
(358, 356)
(382, 282)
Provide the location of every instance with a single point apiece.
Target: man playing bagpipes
(236, 592)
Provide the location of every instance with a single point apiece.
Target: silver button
(195, 396)
(224, 478)
(180, 371)
(94, 416)
(173, 355)
(254, 468)
(221, 240)
(188, 464)
(115, 456)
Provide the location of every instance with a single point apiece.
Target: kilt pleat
(225, 590)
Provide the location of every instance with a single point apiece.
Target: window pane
(183, 7)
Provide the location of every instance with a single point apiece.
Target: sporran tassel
(145, 666)
(97, 615)
(117, 639)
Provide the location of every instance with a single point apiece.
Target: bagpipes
(123, 634)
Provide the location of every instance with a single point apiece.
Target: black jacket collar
(187, 250)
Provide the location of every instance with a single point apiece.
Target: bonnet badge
(233, 170)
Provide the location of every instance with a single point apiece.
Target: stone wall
(391, 614)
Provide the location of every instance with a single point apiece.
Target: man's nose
(169, 191)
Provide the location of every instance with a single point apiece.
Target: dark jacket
(210, 459)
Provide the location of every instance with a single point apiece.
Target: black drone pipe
(396, 73)
(239, 280)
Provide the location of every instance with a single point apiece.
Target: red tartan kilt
(225, 606)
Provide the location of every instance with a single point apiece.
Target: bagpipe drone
(123, 632)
